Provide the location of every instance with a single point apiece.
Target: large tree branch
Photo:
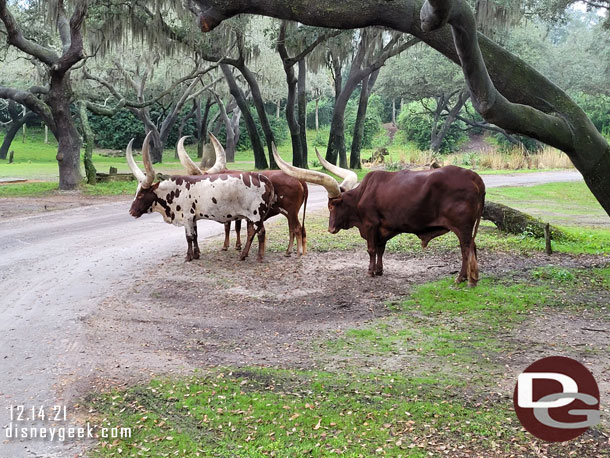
(15, 37)
(313, 45)
(512, 95)
(32, 102)
(74, 52)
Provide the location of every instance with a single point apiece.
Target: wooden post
(10, 156)
(547, 238)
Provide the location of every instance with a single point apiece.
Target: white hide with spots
(220, 198)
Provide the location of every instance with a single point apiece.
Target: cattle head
(340, 203)
(145, 195)
(192, 168)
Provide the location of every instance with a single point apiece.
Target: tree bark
(367, 86)
(508, 219)
(438, 135)
(89, 139)
(302, 110)
(260, 161)
(505, 90)
(291, 81)
(259, 104)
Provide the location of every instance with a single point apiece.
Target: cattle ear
(342, 189)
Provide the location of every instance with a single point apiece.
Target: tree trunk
(68, 140)
(508, 219)
(439, 135)
(394, 111)
(302, 110)
(277, 109)
(291, 119)
(336, 141)
(259, 104)
(202, 127)
(367, 86)
(89, 139)
(317, 119)
(260, 161)
(12, 131)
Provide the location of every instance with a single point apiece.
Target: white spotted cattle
(221, 197)
(290, 193)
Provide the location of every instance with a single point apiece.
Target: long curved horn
(132, 164)
(221, 156)
(350, 179)
(185, 159)
(312, 176)
(150, 172)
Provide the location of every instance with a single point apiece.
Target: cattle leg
(189, 229)
(196, 252)
(237, 234)
(251, 234)
(294, 228)
(465, 239)
(372, 250)
(225, 246)
(262, 240)
(379, 264)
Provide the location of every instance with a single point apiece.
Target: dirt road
(57, 268)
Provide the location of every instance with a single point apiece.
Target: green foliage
(372, 122)
(325, 112)
(597, 108)
(557, 274)
(115, 132)
(416, 125)
(530, 144)
(279, 127)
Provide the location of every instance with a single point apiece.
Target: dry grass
(516, 159)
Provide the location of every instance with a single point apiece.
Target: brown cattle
(290, 193)
(426, 203)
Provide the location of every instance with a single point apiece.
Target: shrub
(416, 126)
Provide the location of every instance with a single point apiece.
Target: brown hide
(426, 203)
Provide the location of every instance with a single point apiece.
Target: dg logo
(556, 399)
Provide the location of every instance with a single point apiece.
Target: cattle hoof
(459, 280)
(379, 273)
(242, 258)
(259, 259)
(188, 258)
(371, 273)
(287, 254)
(224, 248)
(196, 255)
(238, 247)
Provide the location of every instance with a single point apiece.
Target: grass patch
(27, 189)
(559, 203)
(263, 412)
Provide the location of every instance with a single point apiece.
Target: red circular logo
(556, 399)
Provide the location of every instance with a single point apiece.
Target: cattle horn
(221, 156)
(132, 164)
(350, 179)
(150, 172)
(312, 176)
(185, 159)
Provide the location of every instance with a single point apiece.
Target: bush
(325, 112)
(531, 145)
(115, 132)
(416, 126)
(279, 127)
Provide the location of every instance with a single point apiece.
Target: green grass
(46, 188)
(449, 339)
(256, 412)
(559, 203)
